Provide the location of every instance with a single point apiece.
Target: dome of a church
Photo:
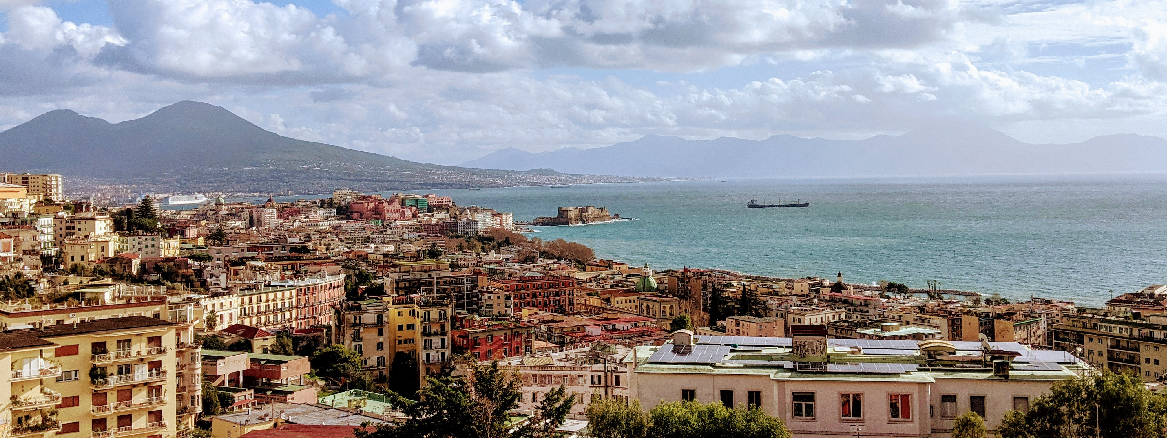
(646, 283)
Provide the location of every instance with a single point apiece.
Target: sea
(1080, 238)
(1083, 238)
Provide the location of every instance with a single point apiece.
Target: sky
(446, 81)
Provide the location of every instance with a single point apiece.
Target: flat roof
(100, 325)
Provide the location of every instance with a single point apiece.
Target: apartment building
(753, 326)
(149, 245)
(582, 373)
(40, 186)
(537, 291)
(96, 301)
(839, 387)
(14, 199)
(82, 225)
(315, 299)
(493, 340)
(1130, 344)
(105, 378)
(87, 252)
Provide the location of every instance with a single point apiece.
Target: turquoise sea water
(1075, 238)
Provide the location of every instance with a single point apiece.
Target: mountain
(194, 146)
(944, 149)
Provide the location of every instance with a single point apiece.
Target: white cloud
(449, 80)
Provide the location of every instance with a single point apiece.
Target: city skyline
(447, 82)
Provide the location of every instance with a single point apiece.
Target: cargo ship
(797, 204)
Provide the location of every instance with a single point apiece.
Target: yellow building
(269, 307)
(98, 301)
(149, 245)
(40, 186)
(101, 378)
(15, 199)
(82, 225)
(88, 251)
(378, 329)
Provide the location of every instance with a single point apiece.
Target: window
(803, 405)
(977, 405)
(1021, 403)
(727, 397)
(616, 380)
(900, 406)
(688, 395)
(754, 399)
(68, 376)
(948, 406)
(851, 405)
(69, 402)
(70, 427)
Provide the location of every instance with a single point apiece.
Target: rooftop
(890, 359)
(99, 325)
(301, 414)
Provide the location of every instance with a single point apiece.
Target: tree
(693, 419)
(212, 342)
(613, 417)
(211, 320)
(549, 415)
(969, 425)
(217, 237)
(497, 392)
(283, 344)
(749, 304)
(452, 406)
(337, 364)
(403, 375)
(241, 345)
(16, 287)
(681, 322)
(1104, 404)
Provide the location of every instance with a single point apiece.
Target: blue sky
(450, 80)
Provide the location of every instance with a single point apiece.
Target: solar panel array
(744, 341)
(871, 368)
(696, 354)
(1036, 366)
(1054, 356)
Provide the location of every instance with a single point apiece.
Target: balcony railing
(127, 379)
(130, 431)
(127, 354)
(44, 372)
(127, 406)
(46, 399)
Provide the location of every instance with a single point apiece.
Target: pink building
(377, 208)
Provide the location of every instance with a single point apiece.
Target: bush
(969, 425)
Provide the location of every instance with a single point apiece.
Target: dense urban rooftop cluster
(308, 317)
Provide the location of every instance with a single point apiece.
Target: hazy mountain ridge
(197, 146)
(940, 150)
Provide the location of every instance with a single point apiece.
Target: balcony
(130, 431)
(37, 430)
(116, 407)
(42, 373)
(128, 379)
(48, 398)
(105, 358)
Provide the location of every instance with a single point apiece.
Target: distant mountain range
(193, 146)
(941, 150)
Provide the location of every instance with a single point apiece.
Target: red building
(496, 340)
(316, 298)
(377, 208)
(545, 293)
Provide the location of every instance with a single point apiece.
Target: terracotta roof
(99, 325)
(21, 339)
(293, 430)
(247, 331)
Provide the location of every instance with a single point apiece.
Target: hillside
(189, 146)
(936, 151)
